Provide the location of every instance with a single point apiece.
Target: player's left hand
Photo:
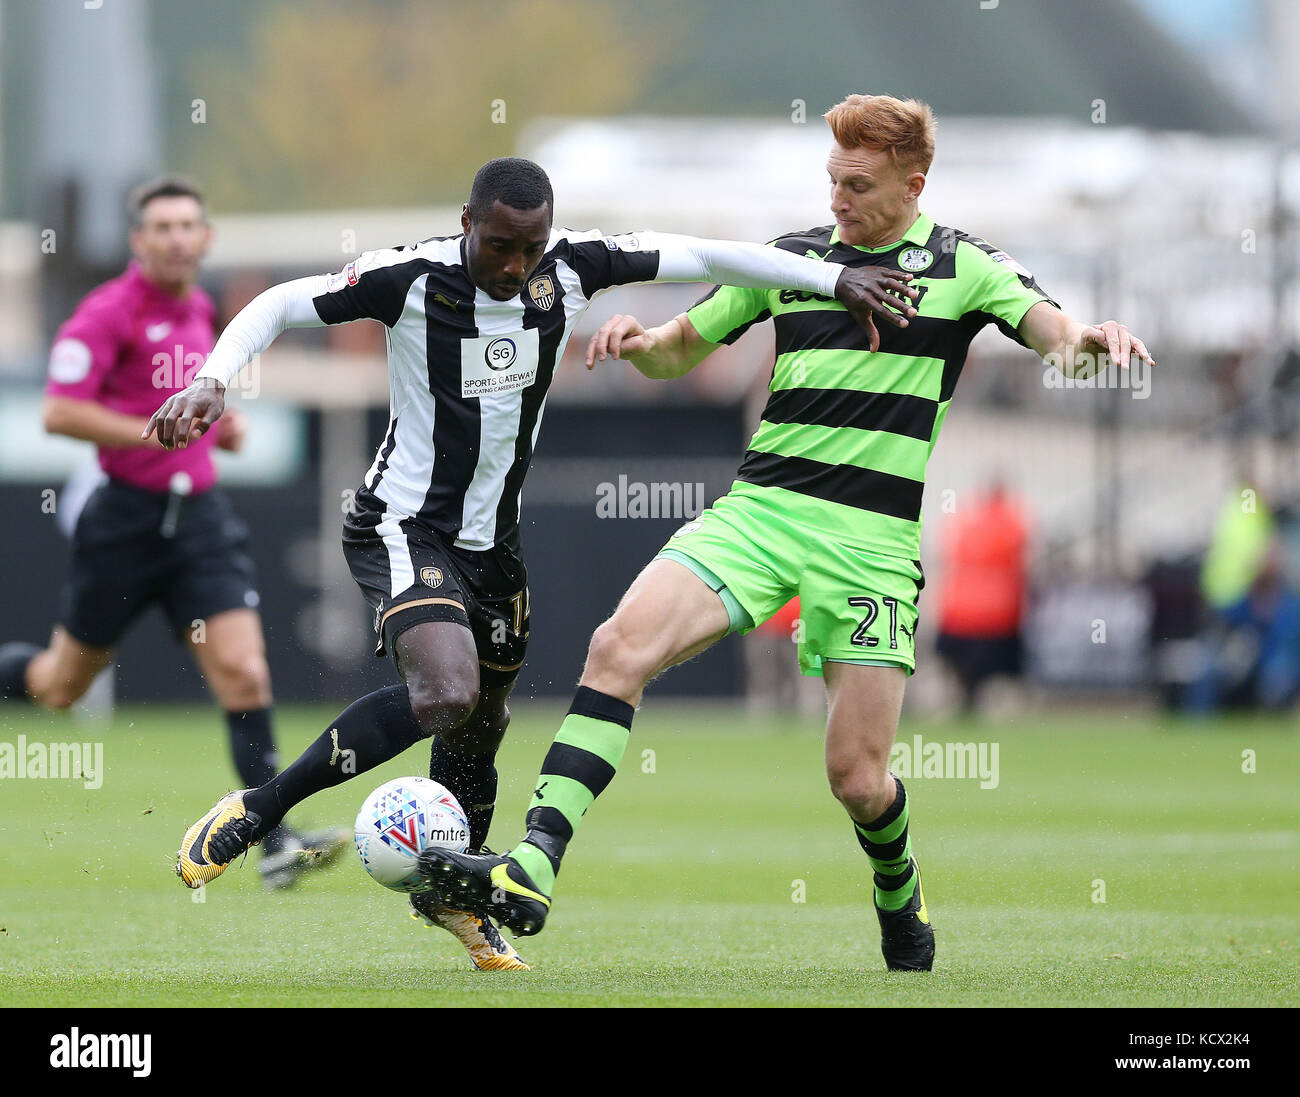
(188, 414)
(1113, 338)
(232, 429)
(867, 292)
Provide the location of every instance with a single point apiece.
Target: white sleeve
(288, 305)
(728, 262)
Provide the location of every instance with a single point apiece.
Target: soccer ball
(401, 819)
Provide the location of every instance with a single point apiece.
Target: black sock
(369, 731)
(13, 670)
(472, 779)
(888, 847)
(252, 745)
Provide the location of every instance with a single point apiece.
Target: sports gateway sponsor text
(498, 363)
(82, 762)
(118, 1051)
(957, 761)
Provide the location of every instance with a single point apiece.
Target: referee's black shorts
(134, 548)
(410, 573)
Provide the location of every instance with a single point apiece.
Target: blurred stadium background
(1139, 156)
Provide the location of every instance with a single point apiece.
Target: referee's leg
(57, 676)
(231, 654)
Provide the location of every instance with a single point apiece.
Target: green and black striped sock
(889, 849)
(578, 767)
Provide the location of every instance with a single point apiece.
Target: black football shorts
(133, 548)
(410, 573)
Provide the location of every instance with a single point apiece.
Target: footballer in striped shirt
(476, 323)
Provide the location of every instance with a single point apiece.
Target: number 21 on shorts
(860, 637)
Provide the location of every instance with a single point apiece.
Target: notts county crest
(431, 577)
(542, 291)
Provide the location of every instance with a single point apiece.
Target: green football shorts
(855, 606)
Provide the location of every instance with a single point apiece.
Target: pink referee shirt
(128, 346)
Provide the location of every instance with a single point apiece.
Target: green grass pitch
(681, 887)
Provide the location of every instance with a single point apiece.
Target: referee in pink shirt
(157, 531)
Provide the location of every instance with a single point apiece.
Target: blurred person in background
(1251, 649)
(1241, 541)
(1173, 585)
(156, 531)
(96, 704)
(982, 600)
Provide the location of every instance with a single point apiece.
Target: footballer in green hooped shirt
(826, 505)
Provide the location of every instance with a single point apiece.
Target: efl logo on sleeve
(1006, 260)
(348, 276)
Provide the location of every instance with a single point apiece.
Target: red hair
(903, 126)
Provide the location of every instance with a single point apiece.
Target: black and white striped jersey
(468, 374)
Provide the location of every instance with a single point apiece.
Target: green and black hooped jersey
(847, 433)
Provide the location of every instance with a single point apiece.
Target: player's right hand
(867, 292)
(187, 415)
(617, 335)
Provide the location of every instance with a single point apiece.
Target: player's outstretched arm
(190, 413)
(1075, 348)
(662, 353)
(866, 292)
